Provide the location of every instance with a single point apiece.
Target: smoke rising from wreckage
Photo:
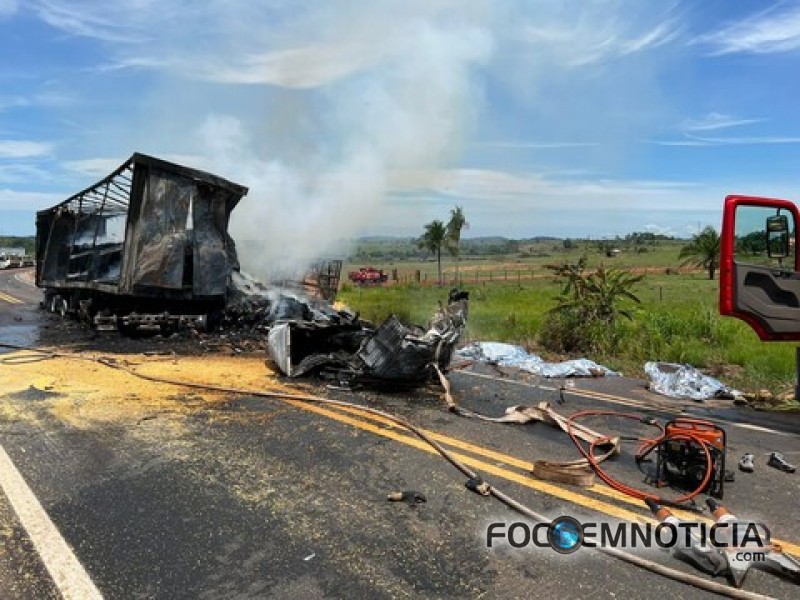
(148, 248)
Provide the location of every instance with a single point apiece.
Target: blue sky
(542, 117)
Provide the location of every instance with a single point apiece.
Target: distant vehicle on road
(11, 258)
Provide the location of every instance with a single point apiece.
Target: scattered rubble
(411, 497)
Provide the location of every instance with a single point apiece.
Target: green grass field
(528, 263)
(678, 320)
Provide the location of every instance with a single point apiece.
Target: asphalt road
(246, 497)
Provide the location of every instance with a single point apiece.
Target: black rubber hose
(652, 566)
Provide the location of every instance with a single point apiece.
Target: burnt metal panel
(211, 264)
(392, 353)
(56, 258)
(160, 233)
(150, 228)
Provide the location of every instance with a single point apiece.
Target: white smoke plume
(353, 117)
(407, 104)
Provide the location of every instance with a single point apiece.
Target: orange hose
(648, 444)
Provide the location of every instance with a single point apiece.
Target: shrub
(589, 308)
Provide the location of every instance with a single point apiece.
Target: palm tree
(433, 239)
(454, 226)
(703, 251)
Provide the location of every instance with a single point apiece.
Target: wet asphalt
(258, 499)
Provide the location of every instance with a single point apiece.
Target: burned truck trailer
(147, 246)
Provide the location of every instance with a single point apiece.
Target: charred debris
(306, 335)
(147, 249)
(342, 347)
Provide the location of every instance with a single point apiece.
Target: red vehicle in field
(368, 276)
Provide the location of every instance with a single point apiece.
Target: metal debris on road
(411, 497)
(343, 347)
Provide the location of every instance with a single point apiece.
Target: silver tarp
(508, 355)
(684, 381)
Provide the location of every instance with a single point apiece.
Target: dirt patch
(84, 394)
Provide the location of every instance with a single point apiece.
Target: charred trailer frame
(147, 246)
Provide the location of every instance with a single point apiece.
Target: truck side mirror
(777, 228)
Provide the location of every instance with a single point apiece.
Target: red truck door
(759, 279)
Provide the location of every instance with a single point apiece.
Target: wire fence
(502, 275)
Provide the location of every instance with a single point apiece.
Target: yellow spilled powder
(83, 393)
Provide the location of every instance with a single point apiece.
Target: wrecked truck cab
(352, 352)
(147, 246)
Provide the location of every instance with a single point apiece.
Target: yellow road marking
(397, 433)
(10, 299)
(524, 480)
(513, 461)
(646, 404)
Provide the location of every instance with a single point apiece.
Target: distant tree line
(15, 241)
(385, 249)
(408, 249)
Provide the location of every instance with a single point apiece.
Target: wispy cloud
(302, 67)
(715, 120)
(8, 7)
(7, 102)
(537, 188)
(695, 140)
(754, 140)
(111, 22)
(659, 230)
(661, 34)
(538, 145)
(50, 99)
(595, 35)
(681, 142)
(268, 44)
(94, 167)
(243, 42)
(693, 133)
(772, 31)
(101, 166)
(24, 149)
(533, 203)
(133, 62)
(21, 173)
(28, 201)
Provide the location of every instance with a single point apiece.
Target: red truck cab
(759, 279)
